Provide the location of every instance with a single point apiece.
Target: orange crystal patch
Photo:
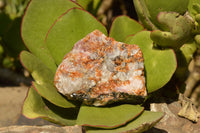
(99, 70)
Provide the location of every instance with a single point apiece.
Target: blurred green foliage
(11, 12)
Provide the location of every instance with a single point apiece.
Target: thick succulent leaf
(142, 123)
(148, 11)
(159, 64)
(194, 10)
(50, 93)
(188, 50)
(38, 18)
(180, 30)
(84, 3)
(197, 40)
(68, 29)
(108, 117)
(43, 79)
(143, 14)
(194, 7)
(184, 56)
(157, 6)
(35, 106)
(90, 5)
(39, 71)
(123, 26)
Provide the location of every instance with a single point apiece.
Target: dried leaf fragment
(188, 109)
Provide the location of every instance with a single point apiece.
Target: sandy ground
(11, 101)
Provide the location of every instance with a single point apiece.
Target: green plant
(11, 43)
(49, 33)
(177, 27)
(172, 25)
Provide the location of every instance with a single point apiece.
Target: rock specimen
(99, 70)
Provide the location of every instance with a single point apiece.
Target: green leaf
(68, 29)
(160, 65)
(39, 71)
(84, 3)
(197, 40)
(38, 18)
(180, 30)
(142, 123)
(108, 117)
(184, 56)
(148, 10)
(35, 106)
(90, 5)
(123, 26)
(50, 93)
(194, 7)
(44, 80)
(188, 50)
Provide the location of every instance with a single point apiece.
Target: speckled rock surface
(99, 70)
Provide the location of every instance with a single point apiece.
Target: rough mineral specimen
(99, 70)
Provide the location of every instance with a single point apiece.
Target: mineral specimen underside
(99, 70)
